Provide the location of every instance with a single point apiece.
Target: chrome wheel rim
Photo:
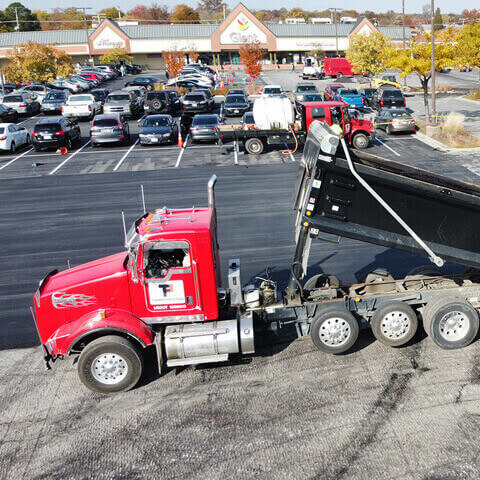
(395, 325)
(109, 368)
(335, 332)
(454, 326)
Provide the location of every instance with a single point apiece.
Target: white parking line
(180, 155)
(67, 159)
(29, 118)
(16, 158)
(117, 166)
(378, 140)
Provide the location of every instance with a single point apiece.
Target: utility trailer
(165, 290)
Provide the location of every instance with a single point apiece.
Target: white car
(270, 90)
(13, 136)
(82, 106)
(38, 90)
(80, 81)
(62, 83)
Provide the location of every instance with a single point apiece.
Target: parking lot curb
(469, 100)
(442, 147)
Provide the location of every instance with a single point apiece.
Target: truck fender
(99, 323)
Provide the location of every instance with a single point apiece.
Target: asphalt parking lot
(287, 412)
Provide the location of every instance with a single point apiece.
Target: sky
(446, 6)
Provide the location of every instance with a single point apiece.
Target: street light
(432, 32)
(119, 17)
(332, 11)
(86, 29)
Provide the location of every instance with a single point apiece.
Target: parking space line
(391, 149)
(180, 155)
(29, 118)
(16, 158)
(68, 158)
(117, 166)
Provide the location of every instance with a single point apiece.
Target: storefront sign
(108, 39)
(242, 30)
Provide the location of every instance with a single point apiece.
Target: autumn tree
(468, 45)
(417, 59)
(111, 12)
(28, 21)
(364, 52)
(296, 13)
(147, 15)
(115, 55)
(61, 19)
(174, 62)
(251, 55)
(37, 62)
(184, 14)
(212, 9)
(471, 15)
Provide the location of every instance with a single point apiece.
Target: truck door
(167, 281)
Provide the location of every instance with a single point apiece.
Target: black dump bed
(444, 213)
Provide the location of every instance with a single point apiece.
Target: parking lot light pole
(433, 119)
(332, 11)
(86, 29)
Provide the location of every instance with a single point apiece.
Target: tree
(250, 55)
(184, 14)
(37, 62)
(318, 53)
(28, 21)
(471, 15)
(115, 55)
(438, 20)
(112, 12)
(296, 13)
(174, 61)
(365, 52)
(146, 15)
(417, 59)
(211, 6)
(468, 45)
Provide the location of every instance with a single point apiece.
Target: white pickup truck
(311, 72)
(83, 105)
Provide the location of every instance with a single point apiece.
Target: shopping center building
(215, 44)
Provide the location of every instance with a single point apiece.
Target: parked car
(54, 101)
(65, 84)
(9, 87)
(55, 133)
(191, 81)
(248, 121)
(235, 105)
(160, 101)
(158, 129)
(84, 105)
(367, 94)
(109, 71)
(312, 97)
(8, 114)
(270, 90)
(140, 93)
(302, 89)
(395, 120)
(90, 82)
(101, 75)
(332, 90)
(195, 102)
(13, 136)
(147, 82)
(22, 102)
(38, 90)
(133, 69)
(209, 96)
(236, 91)
(77, 80)
(122, 102)
(91, 76)
(100, 94)
(203, 128)
(109, 128)
(387, 98)
(350, 96)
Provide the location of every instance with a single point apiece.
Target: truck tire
(451, 322)
(360, 141)
(334, 330)
(110, 364)
(254, 146)
(394, 324)
(320, 281)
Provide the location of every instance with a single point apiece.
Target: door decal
(166, 293)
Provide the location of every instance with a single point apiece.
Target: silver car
(123, 103)
(24, 103)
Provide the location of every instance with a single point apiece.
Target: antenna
(143, 199)
(124, 228)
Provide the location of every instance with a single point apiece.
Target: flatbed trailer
(165, 291)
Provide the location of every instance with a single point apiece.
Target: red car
(332, 90)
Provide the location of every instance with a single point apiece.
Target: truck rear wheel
(394, 324)
(110, 364)
(360, 141)
(451, 322)
(334, 330)
(254, 146)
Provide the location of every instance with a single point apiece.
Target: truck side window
(318, 113)
(160, 261)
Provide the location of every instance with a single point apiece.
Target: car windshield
(392, 94)
(335, 89)
(351, 91)
(156, 122)
(118, 98)
(106, 122)
(206, 92)
(306, 88)
(399, 113)
(80, 98)
(272, 90)
(12, 98)
(195, 98)
(236, 92)
(55, 96)
(313, 97)
(205, 120)
(235, 99)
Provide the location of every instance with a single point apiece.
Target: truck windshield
(80, 98)
(272, 90)
(306, 88)
(352, 91)
(55, 96)
(118, 98)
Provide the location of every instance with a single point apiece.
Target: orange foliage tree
(174, 61)
(251, 54)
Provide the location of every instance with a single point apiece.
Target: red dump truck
(165, 289)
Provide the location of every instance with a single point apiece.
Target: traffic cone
(62, 151)
(180, 140)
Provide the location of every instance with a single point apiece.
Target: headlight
(141, 135)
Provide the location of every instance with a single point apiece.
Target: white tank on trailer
(272, 113)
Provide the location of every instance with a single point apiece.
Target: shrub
(474, 95)
(453, 124)
(444, 88)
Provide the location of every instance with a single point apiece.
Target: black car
(235, 105)
(208, 94)
(109, 128)
(55, 133)
(196, 102)
(147, 82)
(7, 114)
(53, 102)
(387, 98)
(236, 91)
(159, 101)
(100, 94)
(158, 129)
(367, 94)
(133, 69)
(203, 128)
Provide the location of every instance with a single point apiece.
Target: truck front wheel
(334, 330)
(360, 141)
(254, 146)
(110, 364)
